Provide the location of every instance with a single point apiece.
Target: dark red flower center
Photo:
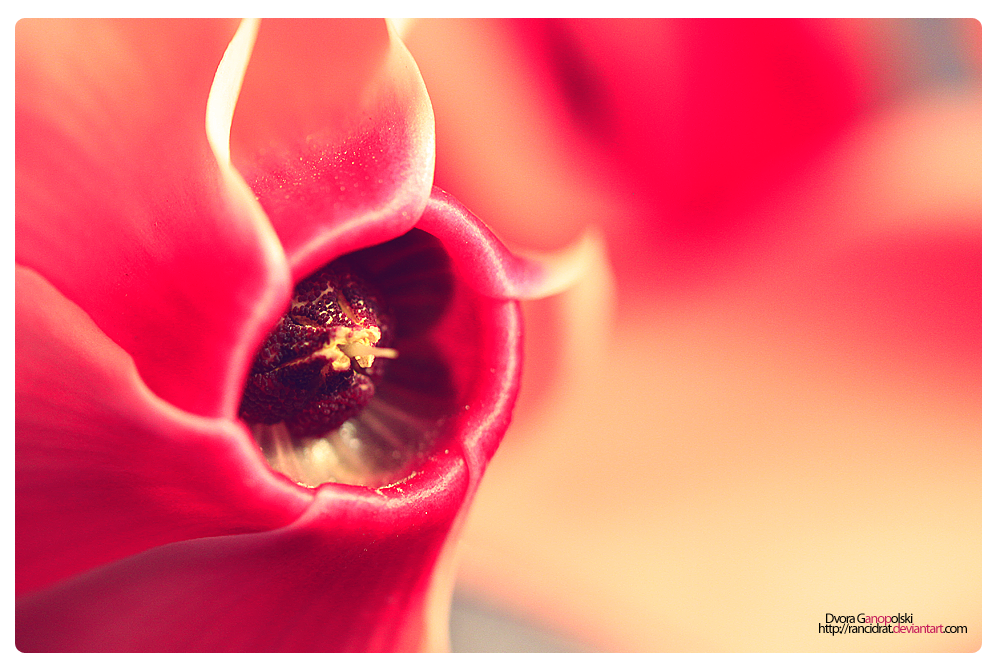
(348, 387)
(318, 368)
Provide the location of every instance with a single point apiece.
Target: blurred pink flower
(147, 275)
(793, 221)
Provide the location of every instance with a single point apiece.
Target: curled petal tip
(493, 269)
(400, 25)
(554, 272)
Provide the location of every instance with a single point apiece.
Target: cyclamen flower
(149, 274)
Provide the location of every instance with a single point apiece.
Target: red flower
(148, 274)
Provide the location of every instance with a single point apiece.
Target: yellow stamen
(361, 350)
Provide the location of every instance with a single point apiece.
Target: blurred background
(763, 403)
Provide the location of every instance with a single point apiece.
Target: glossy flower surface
(792, 425)
(175, 179)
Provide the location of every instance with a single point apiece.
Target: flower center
(310, 399)
(317, 368)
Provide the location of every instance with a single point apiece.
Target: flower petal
(350, 575)
(104, 468)
(355, 572)
(122, 206)
(487, 368)
(490, 267)
(334, 133)
(696, 109)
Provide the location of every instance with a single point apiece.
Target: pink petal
(122, 207)
(486, 263)
(483, 338)
(334, 133)
(105, 469)
(349, 576)
(353, 573)
(696, 109)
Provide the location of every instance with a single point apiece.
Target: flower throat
(320, 365)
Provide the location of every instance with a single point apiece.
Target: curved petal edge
(491, 268)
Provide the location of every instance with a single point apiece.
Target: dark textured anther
(320, 365)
